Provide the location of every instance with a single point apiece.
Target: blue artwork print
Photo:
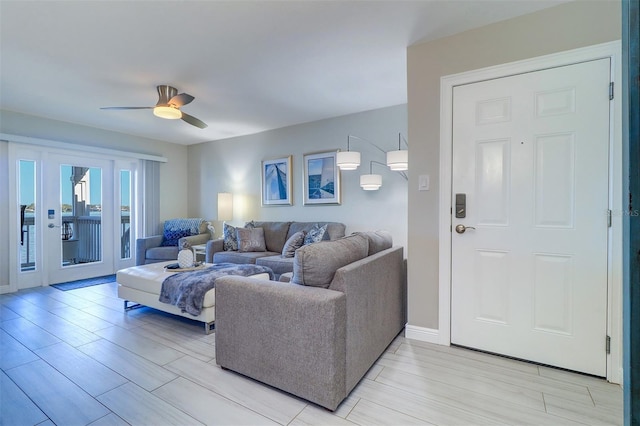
(276, 181)
(321, 174)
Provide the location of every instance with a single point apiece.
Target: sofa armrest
(143, 244)
(286, 277)
(375, 290)
(286, 335)
(194, 240)
(213, 246)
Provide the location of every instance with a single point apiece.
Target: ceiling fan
(168, 106)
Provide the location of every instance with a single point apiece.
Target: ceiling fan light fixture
(170, 113)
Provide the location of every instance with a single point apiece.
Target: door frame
(612, 51)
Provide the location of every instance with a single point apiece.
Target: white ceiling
(251, 65)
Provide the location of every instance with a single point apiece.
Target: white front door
(530, 159)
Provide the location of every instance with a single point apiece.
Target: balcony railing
(86, 239)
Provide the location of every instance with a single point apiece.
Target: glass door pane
(125, 211)
(81, 210)
(27, 201)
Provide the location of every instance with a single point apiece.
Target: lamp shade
(225, 206)
(348, 160)
(167, 112)
(398, 160)
(370, 182)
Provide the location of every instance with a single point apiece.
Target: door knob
(461, 228)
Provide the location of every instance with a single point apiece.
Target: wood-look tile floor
(75, 358)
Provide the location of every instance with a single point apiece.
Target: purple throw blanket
(186, 290)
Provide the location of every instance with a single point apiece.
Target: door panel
(530, 152)
(80, 192)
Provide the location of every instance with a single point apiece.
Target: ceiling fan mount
(168, 106)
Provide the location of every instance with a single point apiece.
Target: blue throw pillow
(230, 242)
(315, 234)
(171, 236)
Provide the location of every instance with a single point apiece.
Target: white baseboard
(423, 334)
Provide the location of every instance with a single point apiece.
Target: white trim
(77, 147)
(610, 50)
(422, 334)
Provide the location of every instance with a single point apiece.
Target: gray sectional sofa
(317, 335)
(276, 234)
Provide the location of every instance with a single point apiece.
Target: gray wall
(569, 26)
(233, 165)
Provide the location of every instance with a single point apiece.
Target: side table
(201, 251)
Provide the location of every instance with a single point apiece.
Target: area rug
(72, 285)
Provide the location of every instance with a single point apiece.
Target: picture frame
(276, 182)
(321, 179)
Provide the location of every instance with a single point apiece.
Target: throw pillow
(316, 264)
(378, 240)
(250, 239)
(171, 236)
(293, 244)
(230, 242)
(315, 234)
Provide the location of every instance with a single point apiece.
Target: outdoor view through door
(81, 210)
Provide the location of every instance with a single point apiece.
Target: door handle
(51, 225)
(461, 228)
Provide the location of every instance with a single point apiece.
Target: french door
(74, 216)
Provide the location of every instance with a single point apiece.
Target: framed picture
(276, 182)
(321, 179)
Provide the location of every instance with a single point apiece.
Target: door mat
(72, 285)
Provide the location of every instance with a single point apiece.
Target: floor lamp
(225, 207)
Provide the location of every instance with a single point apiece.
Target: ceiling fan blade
(126, 107)
(181, 99)
(194, 121)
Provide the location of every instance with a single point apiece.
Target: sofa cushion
(378, 240)
(230, 238)
(315, 234)
(275, 233)
(316, 264)
(293, 244)
(250, 239)
(278, 263)
(162, 253)
(240, 257)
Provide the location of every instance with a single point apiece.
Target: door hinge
(611, 91)
(609, 218)
(608, 345)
